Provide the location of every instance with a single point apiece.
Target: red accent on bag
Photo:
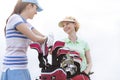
(57, 74)
(80, 77)
(36, 46)
(58, 44)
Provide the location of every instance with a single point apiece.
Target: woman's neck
(72, 37)
(24, 15)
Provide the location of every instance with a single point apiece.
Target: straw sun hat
(69, 19)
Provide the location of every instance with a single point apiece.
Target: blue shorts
(18, 74)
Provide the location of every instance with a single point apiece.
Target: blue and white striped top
(17, 44)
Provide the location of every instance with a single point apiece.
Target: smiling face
(69, 27)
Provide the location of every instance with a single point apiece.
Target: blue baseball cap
(34, 2)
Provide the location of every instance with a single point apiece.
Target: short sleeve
(87, 46)
(15, 20)
(30, 26)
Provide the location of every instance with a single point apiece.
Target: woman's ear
(75, 25)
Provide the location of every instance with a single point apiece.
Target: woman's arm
(89, 62)
(37, 32)
(23, 28)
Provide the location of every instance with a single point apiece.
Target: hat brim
(61, 22)
(39, 9)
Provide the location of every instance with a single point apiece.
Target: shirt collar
(69, 41)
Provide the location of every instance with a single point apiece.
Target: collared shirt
(80, 46)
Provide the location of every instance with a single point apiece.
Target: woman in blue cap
(19, 33)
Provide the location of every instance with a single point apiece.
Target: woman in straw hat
(70, 26)
(19, 33)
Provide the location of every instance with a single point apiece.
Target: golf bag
(65, 65)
